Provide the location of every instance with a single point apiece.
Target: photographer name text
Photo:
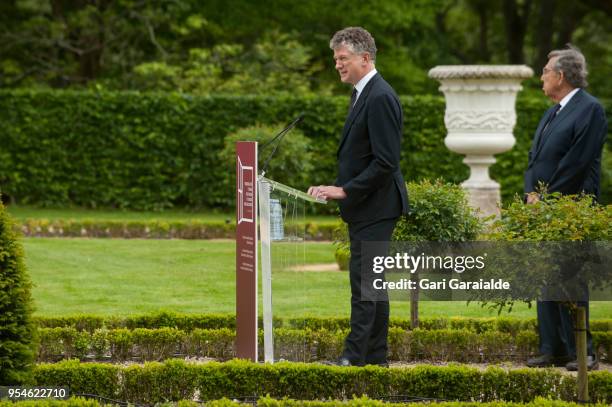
(443, 284)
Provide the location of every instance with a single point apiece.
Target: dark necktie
(353, 99)
(550, 119)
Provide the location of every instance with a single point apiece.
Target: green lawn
(117, 276)
(29, 212)
(120, 277)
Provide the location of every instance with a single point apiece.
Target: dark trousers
(366, 343)
(556, 329)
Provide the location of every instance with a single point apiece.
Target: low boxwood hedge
(271, 402)
(142, 344)
(176, 380)
(151, 229)
(188, 322)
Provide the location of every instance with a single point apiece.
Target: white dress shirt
(567, 98)
(363, 82)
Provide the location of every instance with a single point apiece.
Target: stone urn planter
(479, 118)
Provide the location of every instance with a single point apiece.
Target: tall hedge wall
(157, 150)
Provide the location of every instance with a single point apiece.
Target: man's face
(551, 79)
(351, 67)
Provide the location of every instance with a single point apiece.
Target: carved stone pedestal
(479, 118)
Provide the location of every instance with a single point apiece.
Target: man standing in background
(566, 157)
(369, 188)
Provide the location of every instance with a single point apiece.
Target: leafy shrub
(291, 164)
(343, 256)
(62, 343)
(342, 253)
(439, 211)
(555, 220)
(17, 331)
(96, 378)
(606, 176)
(216, 343)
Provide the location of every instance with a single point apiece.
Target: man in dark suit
(565, 156)
(370, 189)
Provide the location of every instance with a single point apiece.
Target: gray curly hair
(571, 62)
(357, 39)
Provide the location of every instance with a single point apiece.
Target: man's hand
(532, 198)
(327, 192)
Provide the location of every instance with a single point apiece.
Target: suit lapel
(561, 116)
(538, 133)
(356, 109)
(563, 113)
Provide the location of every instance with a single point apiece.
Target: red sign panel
(246, 250)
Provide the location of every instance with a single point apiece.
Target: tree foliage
(277, 63)
(439, 212)
(554, 248)
(17, 331)
(281, 45)
(284, 167)
(555, 218)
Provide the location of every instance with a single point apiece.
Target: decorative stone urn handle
(479, 118)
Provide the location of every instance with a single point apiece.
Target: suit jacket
(369, 156)
(568, 159)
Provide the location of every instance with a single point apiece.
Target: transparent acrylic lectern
(282, 232)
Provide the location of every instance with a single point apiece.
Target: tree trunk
(516, 27)
(581, 353)
(483, 16)
(414, 303)
(441, 27)
(544, 32)
(86, 45)
(572, 15)
(605, 6)
(89, 62)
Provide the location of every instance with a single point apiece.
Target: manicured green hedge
(271, 402)
(71, 402)
(188, 322)
(459, 345)
(185, 322)
(158, 150)
(162, 335)
(193, 229)
(175, 380)
(365, 402)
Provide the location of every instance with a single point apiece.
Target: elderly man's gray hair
(356, 39)
(571, 62)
